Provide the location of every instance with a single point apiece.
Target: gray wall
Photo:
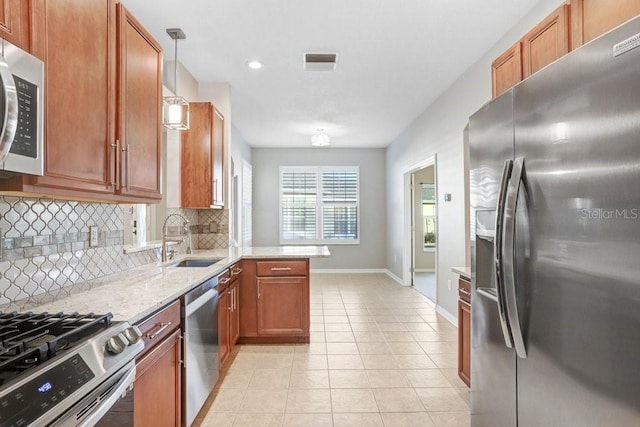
(438, 131)
(370, 253)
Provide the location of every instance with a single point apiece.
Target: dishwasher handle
(193, 306)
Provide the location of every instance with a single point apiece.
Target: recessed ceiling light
(255, 65)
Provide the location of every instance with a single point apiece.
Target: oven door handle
(120, 389)
(76, 416)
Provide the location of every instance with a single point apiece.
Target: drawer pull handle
(236, 271)
(280, 268)
(224, 281)
(162, 327)
(464, 292)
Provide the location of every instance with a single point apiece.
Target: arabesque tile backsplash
(45, 243)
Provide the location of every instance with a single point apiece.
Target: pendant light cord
(175, 67)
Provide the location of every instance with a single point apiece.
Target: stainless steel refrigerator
(555, 205)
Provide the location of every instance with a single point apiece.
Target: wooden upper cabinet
(196, 159)
(218, 159)
(202, 174)
(546, 42)
(75, 40)
(102, 106)
(139, 82)
(14, 22)
(591, 18)
(506, 70)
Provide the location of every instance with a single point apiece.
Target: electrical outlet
(449, 284)
(93, 235)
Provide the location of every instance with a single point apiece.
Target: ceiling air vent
(320, 61)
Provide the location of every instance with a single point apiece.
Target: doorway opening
(424, 229)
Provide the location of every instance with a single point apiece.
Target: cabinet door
(218, 159)
(247, 299)
(196, 174)
(234, 318)
(282, 306)
(14, 22)
(591, 18)
(75, 39)
(139, 107)
(546, 42)
(506, 70)
(157, 395)
(224, 309)
(464, 341)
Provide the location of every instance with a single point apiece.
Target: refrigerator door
(493, 364)
(577, 125)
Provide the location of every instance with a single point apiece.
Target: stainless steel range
(63, 369)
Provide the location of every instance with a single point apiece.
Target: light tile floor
(379, 356)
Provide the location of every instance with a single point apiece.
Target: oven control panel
(29, 401)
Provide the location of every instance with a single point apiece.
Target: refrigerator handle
(497, 250)
(508, 252)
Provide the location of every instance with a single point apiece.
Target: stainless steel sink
(196, 262)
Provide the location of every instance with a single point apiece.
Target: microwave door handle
(498, 255)
(10, 114)
(509, 253)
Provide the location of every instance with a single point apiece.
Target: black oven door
(109, 404)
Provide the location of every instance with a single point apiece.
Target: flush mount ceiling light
(175, 109)
(321, 139)
(255, 65)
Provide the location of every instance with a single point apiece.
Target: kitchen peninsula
(134, 294)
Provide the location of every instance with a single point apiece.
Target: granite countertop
(134, 294)
(462, 271)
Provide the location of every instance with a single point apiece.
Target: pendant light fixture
(320, 139)
(175, 109)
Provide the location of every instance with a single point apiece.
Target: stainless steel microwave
(21, 111)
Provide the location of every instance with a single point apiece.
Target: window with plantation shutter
(319, 205)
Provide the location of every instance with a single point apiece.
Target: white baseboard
(347, 270)
(447, 315)
(394, 277)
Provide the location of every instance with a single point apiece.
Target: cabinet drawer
(281, 268)
(235, 271)
(224, 279)
(464, 290)
(160, 325)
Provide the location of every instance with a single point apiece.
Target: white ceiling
(395, 58)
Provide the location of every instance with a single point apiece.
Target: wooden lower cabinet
(234, 314)
(464, 331)
(280, 306)
(228, 311)
(224, 310)
(157, 389)
(274, 297)
(158, 386)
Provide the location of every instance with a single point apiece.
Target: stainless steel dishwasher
(200, 324)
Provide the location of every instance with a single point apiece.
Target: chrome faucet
(165, 239)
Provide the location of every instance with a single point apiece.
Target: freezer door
(493, 368)
(578, 280)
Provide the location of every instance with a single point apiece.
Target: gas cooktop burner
(28, 339)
